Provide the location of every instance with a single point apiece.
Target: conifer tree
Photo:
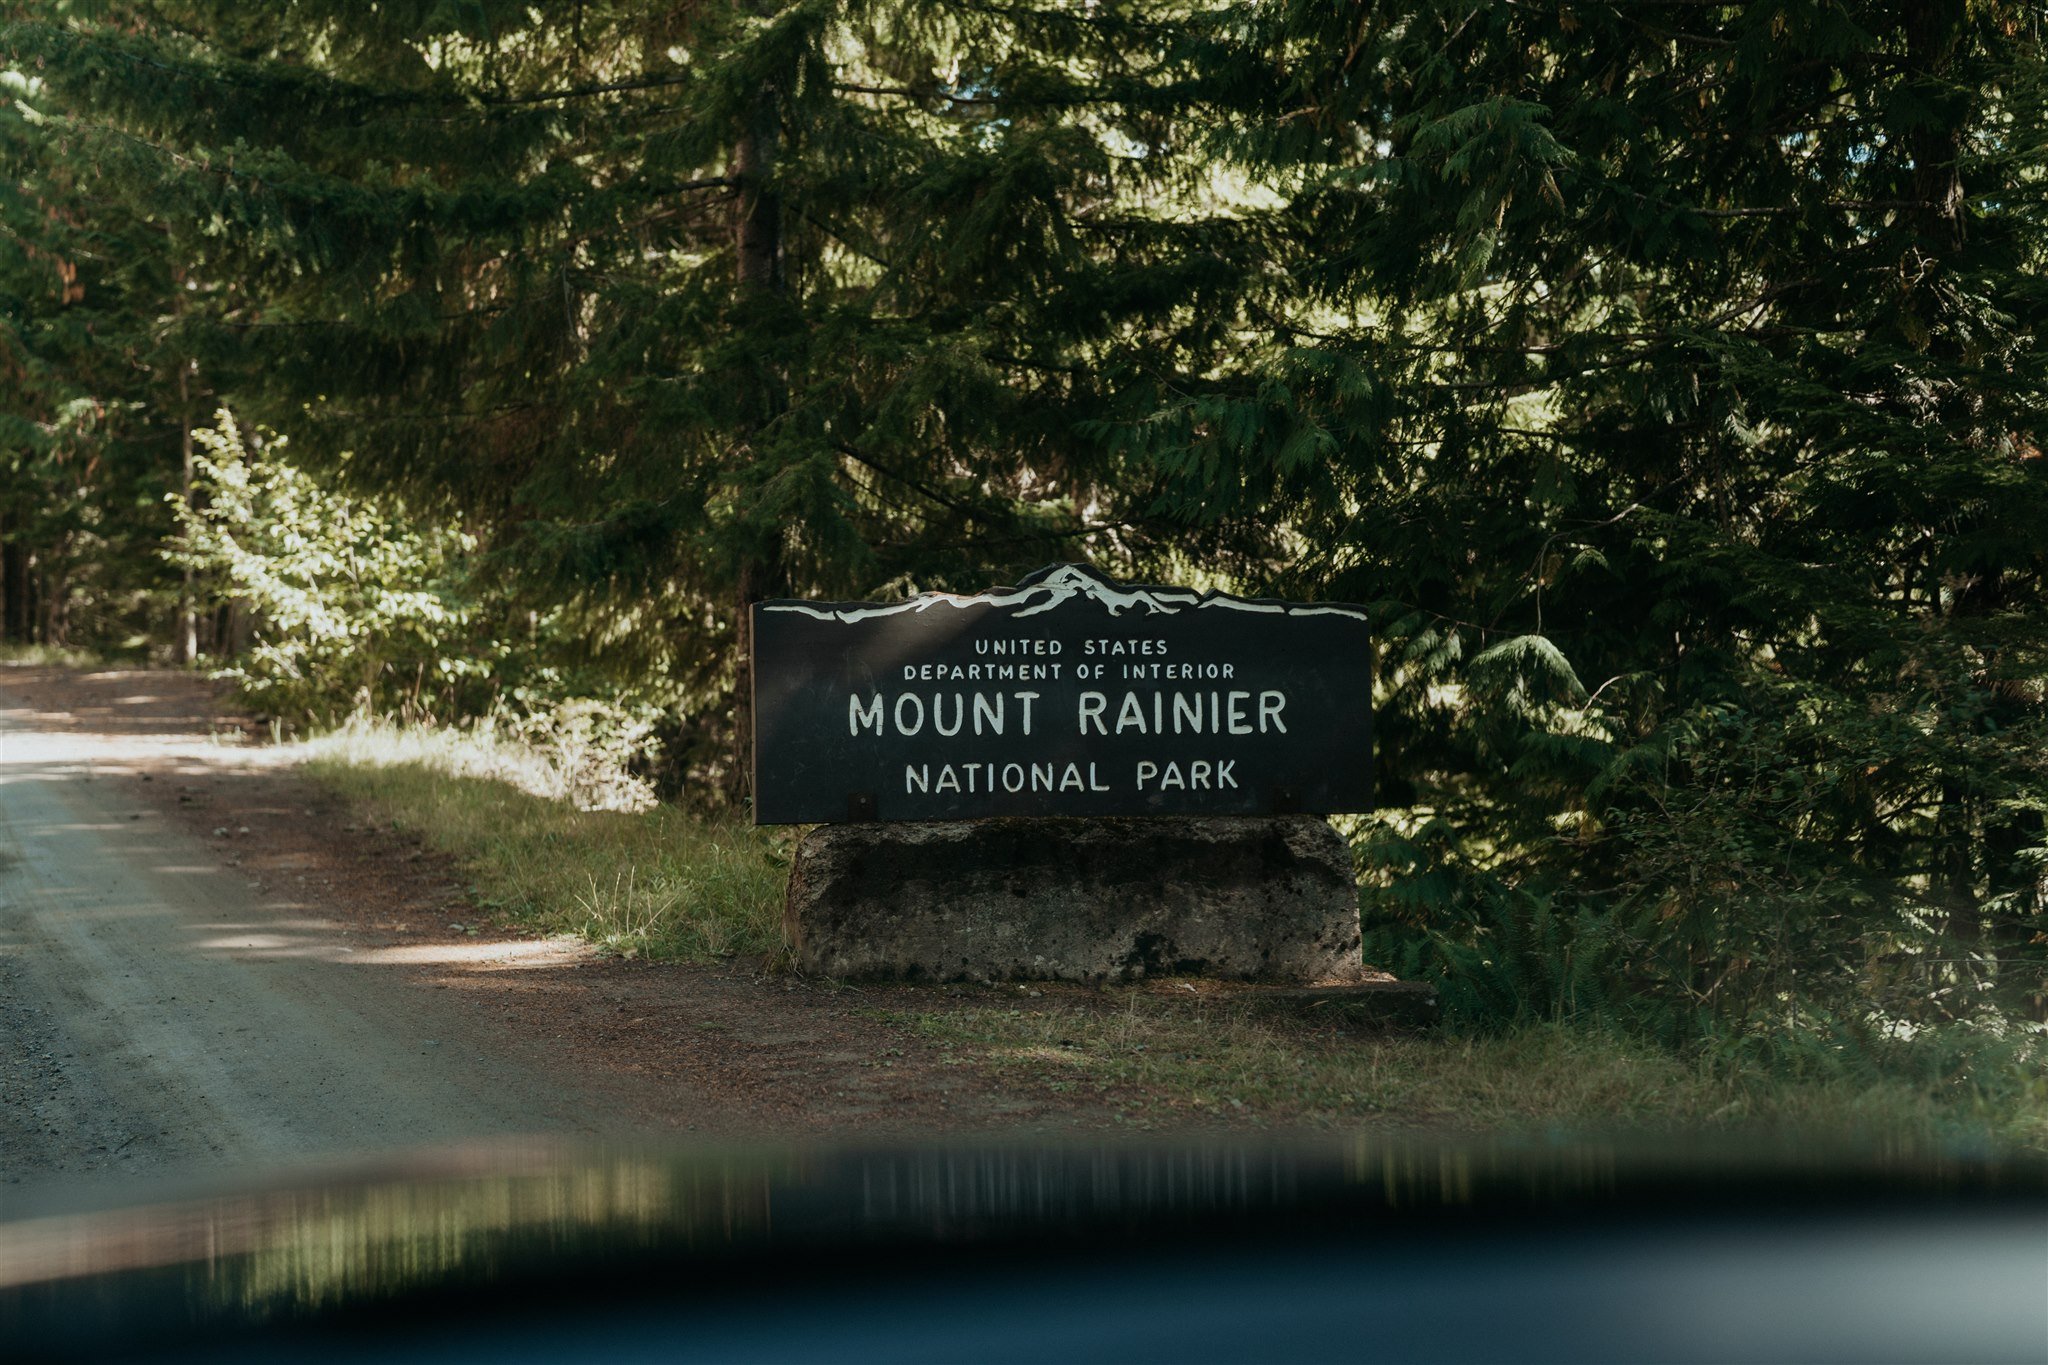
(1680, 377)
(94, 397)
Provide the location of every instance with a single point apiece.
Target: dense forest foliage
(1667, 376)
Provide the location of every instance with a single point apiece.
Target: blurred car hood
(1222, 1249)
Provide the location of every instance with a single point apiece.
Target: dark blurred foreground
(1216, 1251)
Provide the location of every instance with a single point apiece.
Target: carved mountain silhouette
(1055, 586)
(1064, 582)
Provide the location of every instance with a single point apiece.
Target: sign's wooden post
(982, 755)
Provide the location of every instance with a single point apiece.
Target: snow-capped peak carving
(1054, 587)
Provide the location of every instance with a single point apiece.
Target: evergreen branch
(359, 415)
(1850, 205)
(1043, 366)
(578, 92)
(1543, 552)
(1033, 537)
(1102, 24)
(857, 248)
(971, 513)
(999, 100)
(910, 93)
(1671, 35)
(1751, 305)
(1471, 348)
(241, 74)
(122, 49)
(1651, 343)
(1442, 619)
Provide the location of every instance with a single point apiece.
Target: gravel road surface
(211, 964)
(159, 1010)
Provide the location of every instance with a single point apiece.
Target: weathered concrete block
(1263, 899)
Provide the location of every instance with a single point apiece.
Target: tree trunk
(757, 225)
(57, 609)
(14, 593)
(38, 604)
(227, 629)
(1934, 32)
(757, 244)
(188, 613)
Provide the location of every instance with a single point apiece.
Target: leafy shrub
(360, 607)
(357, 604)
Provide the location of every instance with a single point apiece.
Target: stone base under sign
(1255, 899)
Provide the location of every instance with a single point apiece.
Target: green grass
(649, 882)
(1162, 1062)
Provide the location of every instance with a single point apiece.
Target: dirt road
(162, 1009)
(205, 962)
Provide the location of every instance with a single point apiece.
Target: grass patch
(1163, 1062)
(649, 882)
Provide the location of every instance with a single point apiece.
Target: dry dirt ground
(205, 960)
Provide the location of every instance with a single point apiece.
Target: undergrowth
(649, 882)
(1163, 1062)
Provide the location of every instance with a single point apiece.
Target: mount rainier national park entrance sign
(1068, 695)
(945, 745)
